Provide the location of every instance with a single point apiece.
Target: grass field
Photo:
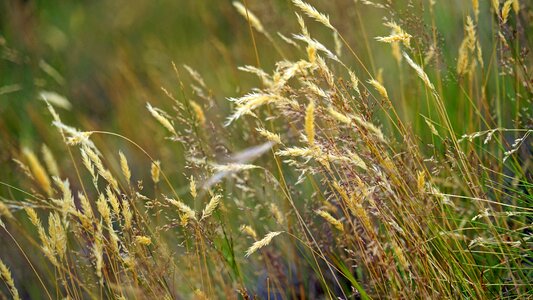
(278, 149)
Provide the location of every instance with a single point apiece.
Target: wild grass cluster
(330, 178)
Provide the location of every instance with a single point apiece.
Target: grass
(351, 158)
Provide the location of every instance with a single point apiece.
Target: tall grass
(330, 178)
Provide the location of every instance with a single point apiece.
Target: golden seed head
(211, 206)
(310, 123)
(199, 112)
(379, 88)
(124, 166)
(192, 185)
(126, 214)
(506, 8)
(143, 240)
(273, 137)
(330, 219)
(155, 171)
(249, 231)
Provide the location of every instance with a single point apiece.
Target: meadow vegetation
(352, 150)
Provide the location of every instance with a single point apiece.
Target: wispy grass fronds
(8, 279)
(262, 243)
(313, 13)
(161, 119)
(210, 207)
(330, 219)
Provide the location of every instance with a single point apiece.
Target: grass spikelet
(399, 254)
(310, 122)
(87, 217)
(421, 181)
(113, 200)
(161, 119)
(273, 137)
(397, 35)
(419, 71)
(8, 279)
(246, 104)
(463, 59)
(234, 167)
(379, 88)
(124, 166)
(311, 54)
(301, 22)
(98, 251)
(496, 6)
(49, 160)
(330, 219)
(276, 212)
(155, 170)
(370, 127)
(317, 45)
(127, 215)
(506, 8)
(249, 231)
(394, 38)
(198, 112)
(196, 76)
(46, 246)
(38, 171)
(248, 15)
(338, 116)
(192, 186)
(313, 13)
(58, 236)
(55, 99)
(183, 208)
(143, 240)
(262, 243)
(211, 206)
(475, 7)
(67, 202)
(355, 83)
(103, 209)
(516, 6)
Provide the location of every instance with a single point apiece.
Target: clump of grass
(370, 204)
